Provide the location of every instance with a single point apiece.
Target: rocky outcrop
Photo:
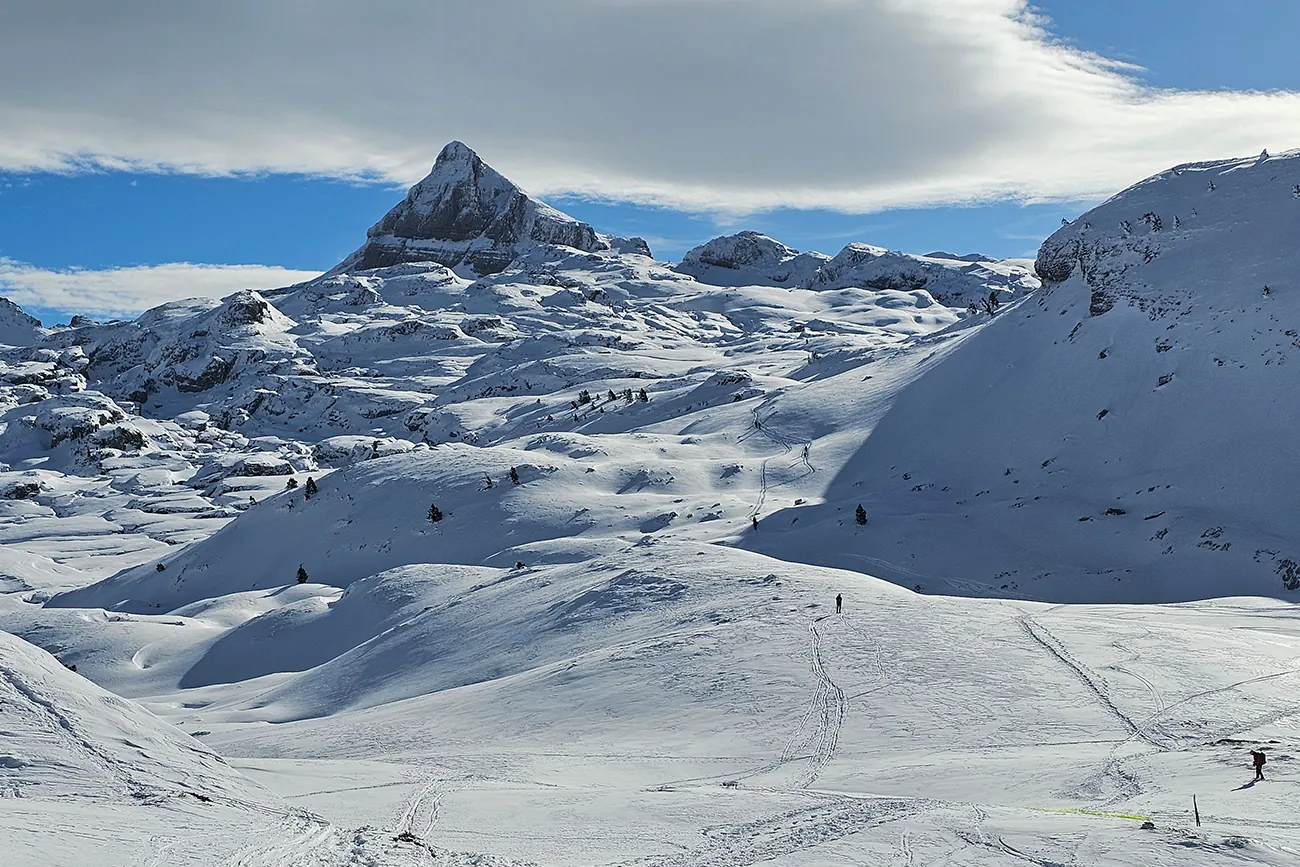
(750, 259)
(468, 217)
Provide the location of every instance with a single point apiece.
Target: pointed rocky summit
(466, 216)
(16, 327)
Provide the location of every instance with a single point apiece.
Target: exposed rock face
(637, 246)
(16, 327)
(750, 259)
(468, 217)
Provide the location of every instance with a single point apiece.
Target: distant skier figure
(1259, 758)
(754, 518)
(839, 603)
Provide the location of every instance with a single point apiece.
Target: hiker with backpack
(1259, 758)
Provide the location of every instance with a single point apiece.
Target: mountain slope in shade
(1125, 434)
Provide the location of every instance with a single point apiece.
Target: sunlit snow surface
(607, 662)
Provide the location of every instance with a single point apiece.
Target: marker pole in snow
(1196, 811)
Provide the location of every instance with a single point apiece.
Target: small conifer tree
(643, 397)
(160, 568)
(861, 515)
(435, 514)
(291, 484)
(302, 575)
(514, 475)
(311, 490)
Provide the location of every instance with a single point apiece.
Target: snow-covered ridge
(1126, 421)
(750, 258)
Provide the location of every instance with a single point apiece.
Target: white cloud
(707, 104)
(128, 291)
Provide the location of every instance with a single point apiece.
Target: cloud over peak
(725, 105)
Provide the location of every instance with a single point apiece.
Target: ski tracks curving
(818, 731)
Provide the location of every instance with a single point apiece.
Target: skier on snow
(839, 603)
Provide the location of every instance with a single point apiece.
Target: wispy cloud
(716, 105)
(128, 291)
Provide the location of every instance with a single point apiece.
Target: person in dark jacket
(839, 603)
(1259, 758)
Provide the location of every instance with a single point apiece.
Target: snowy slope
(677, 704)
(1123, 435)
(617, 644)
(90, 778)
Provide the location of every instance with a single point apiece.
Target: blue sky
(103, 218)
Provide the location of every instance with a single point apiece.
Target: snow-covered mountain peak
(469, 217)
(16, 327)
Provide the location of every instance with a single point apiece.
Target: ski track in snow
(830, 706)
(1095, 685)
(815, 737)
(798, 830)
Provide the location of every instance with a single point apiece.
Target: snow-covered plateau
(504, 543)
